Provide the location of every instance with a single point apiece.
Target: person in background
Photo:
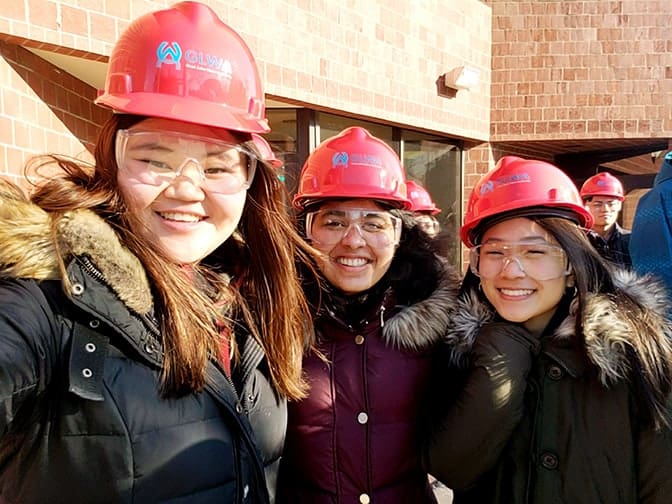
(651, 238)
(266, 151)
(380, 311)
(566, 394)
(151, 318)
(267, 154)
(603, 196)
(423, 208)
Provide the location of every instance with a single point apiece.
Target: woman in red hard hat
(152, 322)
(566, 395)
(603, 196)
(423, 208)
(381, 309)
(266, 152)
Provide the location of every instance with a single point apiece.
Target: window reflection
(435, 163)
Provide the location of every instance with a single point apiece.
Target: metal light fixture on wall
(462, 77)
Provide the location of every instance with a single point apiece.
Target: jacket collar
(608, 334)
(665, 172)
(424, 323)
(28, 250)
(417, 326)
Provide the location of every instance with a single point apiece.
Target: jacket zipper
(152, 325)
(534, 390)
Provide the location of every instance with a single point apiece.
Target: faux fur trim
(85, 233)
(424, 323)
(467, 320)
(611, 329)
(28, 250)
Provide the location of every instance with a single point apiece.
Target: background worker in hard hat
(266, 151)
(146, 355)
(568, 380)
(603, 196)
(268, 155)
(381, 311)
(424, 209)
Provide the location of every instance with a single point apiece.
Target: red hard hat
(421, 201)
(602, 184)
(266, 152)
(353, 164)
(184, 63)
(523, 187)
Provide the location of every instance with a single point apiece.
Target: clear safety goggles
(540, 261)
(609, 204)
(427, 223)
(329, 226)
(159, 157)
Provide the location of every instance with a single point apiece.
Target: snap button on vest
(77, 289)
(364, 499)
(87, 373)
(555, 372)
(94, 324)
(359, 339)
(549, 460)
(362, 418)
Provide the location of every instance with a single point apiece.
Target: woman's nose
(192, 169)
(188, 183)
(353, 236)
(512, 271)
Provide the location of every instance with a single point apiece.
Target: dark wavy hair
(417, 265)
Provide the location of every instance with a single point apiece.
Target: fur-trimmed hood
(416, 326)
(28, 250)
(616, 329)
(424, 323)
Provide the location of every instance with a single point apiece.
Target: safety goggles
(329, 226)
(609, 205)
(540, 261)
(159, 157)
(427, 223)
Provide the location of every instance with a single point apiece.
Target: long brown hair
(266, 292)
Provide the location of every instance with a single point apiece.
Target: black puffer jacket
(564, 417)
(80, 412)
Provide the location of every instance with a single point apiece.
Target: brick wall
(581, 69)
(42, 109)
(381, 59)
(374, 59)
(377, 59)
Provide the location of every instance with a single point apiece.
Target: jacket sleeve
(654, 466)
(653, 223)
(478, 423)
(25, 328)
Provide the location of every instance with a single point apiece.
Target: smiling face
(181, 216)
(515, 295)
(359, 238)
